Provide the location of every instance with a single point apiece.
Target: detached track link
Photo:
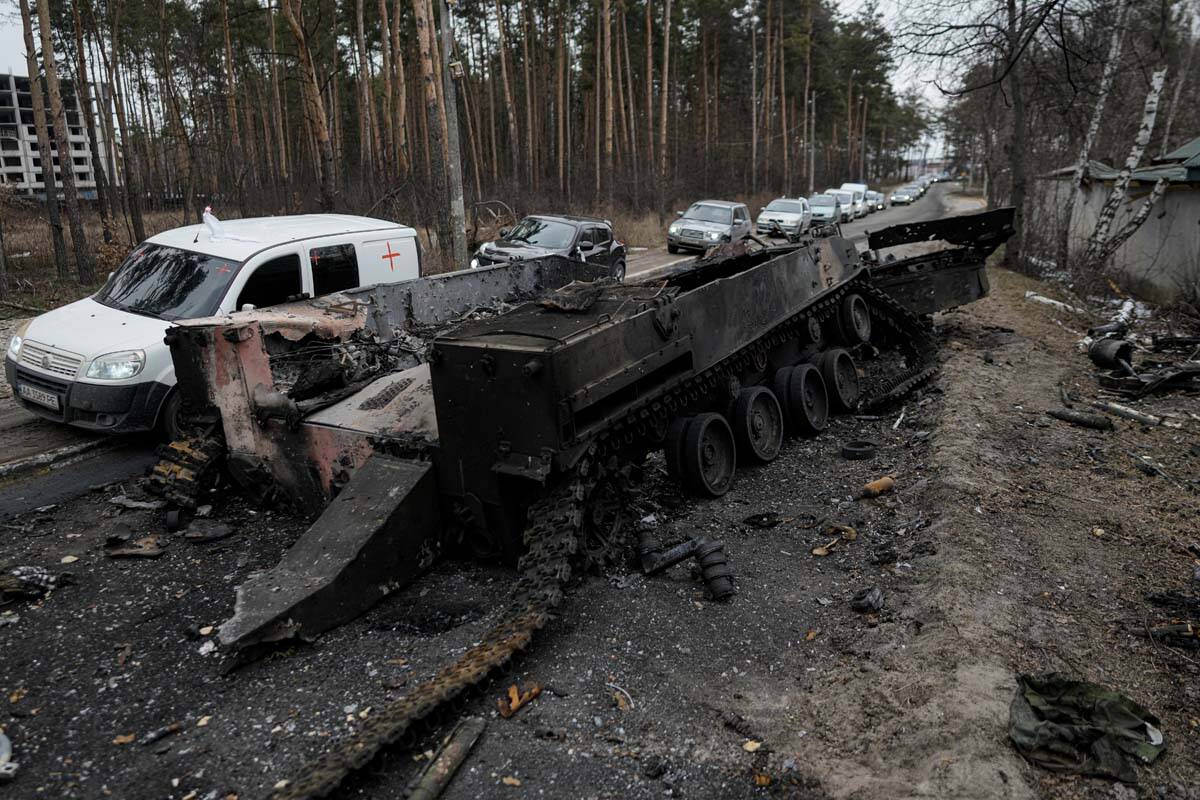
(552, 539)
(183, 467)
(555, 531)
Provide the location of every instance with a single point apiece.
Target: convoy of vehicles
(585, 238)
(707, 223)
(100, 363)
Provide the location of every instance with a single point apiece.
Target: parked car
(826, 209)
(791, 214)
(876, 201)
(905, 195)
(100, 363)
(859, 191)
(706, 223)
(846, 201)
(586, 238)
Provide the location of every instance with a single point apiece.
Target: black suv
(585, 238)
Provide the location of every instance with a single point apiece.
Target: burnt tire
(709, 457)
(808, 401)
(840, 374)
(673, 446)
(758, 424)
(854, 320)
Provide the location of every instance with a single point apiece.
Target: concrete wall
(1161, 261)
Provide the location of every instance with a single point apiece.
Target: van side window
(334, 268)
(275, 281)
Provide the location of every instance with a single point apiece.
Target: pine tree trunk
(84, 92)
(318, 122)
(85, 268)
(366, 152)
(650, 162)
(509, 106)
(606, 30)
(403, 148)
(44, 151)
(112, 68)
(664, 91)
(277, 100)
(434, 126)
(389, 119)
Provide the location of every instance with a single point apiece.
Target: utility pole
(450, 70)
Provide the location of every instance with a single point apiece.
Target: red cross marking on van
(390, 257)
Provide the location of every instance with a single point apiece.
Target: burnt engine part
(714, 565)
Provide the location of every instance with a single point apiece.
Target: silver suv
(707, 223)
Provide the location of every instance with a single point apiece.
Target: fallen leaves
(68, 559)
(17, 695)
(516, 699)
(200, 723)
(125, 738)
(509, 780)
(751, 745)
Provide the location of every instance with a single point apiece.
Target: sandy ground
(998, 570)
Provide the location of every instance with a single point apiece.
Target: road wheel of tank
(709, 458)
(855, 320)
(840, 374)
(673, 446)
(779, 386)
(758, 424)
(807, 400)
(816, 333)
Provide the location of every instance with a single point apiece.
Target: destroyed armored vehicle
(501, 409)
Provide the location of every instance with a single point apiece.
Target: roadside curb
(50, 458)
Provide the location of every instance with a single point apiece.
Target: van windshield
(168, 283)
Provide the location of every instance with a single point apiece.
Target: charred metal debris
(458, 413)
(1168, 361)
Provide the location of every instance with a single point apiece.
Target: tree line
(275, 106)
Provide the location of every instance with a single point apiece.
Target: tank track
(552, 538)
(556, 532)
(185, 468)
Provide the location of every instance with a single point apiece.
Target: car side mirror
(503, 232)
(679, 214)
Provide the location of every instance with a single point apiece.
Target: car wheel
(618, 271)
(672, 249)
(170, 426)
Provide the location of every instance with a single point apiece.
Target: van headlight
(117, 366)
(14, 347)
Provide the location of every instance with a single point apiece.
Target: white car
(101, 363)
(791, 215)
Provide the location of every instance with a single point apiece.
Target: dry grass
(32, 279)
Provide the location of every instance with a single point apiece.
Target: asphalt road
(931, 206)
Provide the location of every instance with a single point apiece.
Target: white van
(859, 191)
(100, 363)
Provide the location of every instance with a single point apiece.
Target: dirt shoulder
(986, 554)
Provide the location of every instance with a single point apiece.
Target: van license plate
(34, 395)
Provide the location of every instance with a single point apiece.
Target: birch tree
(1100, 243)
(1089, 140)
